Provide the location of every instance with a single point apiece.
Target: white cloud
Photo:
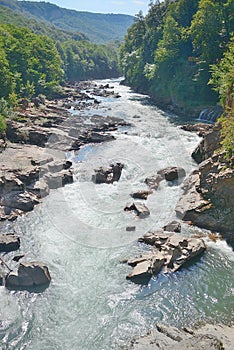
(139, 2)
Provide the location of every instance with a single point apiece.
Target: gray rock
(172, 173)
(9, 242)
(170, 252)
(24, 201)
(170, 338)
(108, 175)
(142, 194)
(173, 226)
(131, 228)
(140, 209)
(29, 275)
(60, 179)
(153, 181)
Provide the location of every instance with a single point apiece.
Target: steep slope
(98, 27)
(11, 16)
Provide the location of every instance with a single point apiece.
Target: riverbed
(79, 231)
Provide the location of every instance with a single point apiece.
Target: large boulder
(9, 242)
(172, 173)
(173, 226)
(24, 201)
(170, 252)
(30, 275)
(140, 209)
(108, 175)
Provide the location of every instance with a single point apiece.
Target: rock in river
(140, 209)
(9, 242)
(170, 252)
(142, 194)
(172, 173)
(108, 175)
(29, 275)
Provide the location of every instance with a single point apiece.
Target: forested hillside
(99, 28)
(169, 52)
(9, 16)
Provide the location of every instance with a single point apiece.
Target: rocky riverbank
(208, 200)
(33, 162)
(207, 337)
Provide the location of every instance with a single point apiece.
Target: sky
(130, 7)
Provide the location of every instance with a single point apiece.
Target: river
(79, 231)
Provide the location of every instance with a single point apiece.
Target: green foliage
(85, 60)
(223, 75)
(169, 52)
(2, 125)
(27, 59)
(223, 82)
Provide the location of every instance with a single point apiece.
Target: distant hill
(99, 28)
(10, 16)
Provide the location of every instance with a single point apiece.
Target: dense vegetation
(223, 80)
(169, 52)
(99, 28)
(36, 58)
(9, 16)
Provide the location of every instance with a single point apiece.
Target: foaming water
(80, 232)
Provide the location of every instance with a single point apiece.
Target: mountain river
(79, 231)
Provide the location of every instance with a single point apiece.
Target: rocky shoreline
(33, 162)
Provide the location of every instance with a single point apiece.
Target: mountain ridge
(98, 27)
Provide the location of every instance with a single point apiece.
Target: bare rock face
(172, 173)
(208, 200)
(208, 145)
(140, 209)
(108, 175)
(9, 242)
(170, 252)
(29, 275)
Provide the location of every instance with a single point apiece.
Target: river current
(79, 231)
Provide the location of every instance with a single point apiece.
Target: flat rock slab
(9, 243)
(170, 252)
(29, 275)
(209, 337)
(140, 209)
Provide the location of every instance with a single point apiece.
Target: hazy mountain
(98, 27)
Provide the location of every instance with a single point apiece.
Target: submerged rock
(140, 209)
(170, 252)
(29, 275)
(153, 181)
(9, 242)
(108, 175)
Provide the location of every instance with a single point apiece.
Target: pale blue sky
(130, 7)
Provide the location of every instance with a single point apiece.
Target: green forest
(33, 63)
(172, 51)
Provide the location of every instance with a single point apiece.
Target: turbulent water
(80, 232)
